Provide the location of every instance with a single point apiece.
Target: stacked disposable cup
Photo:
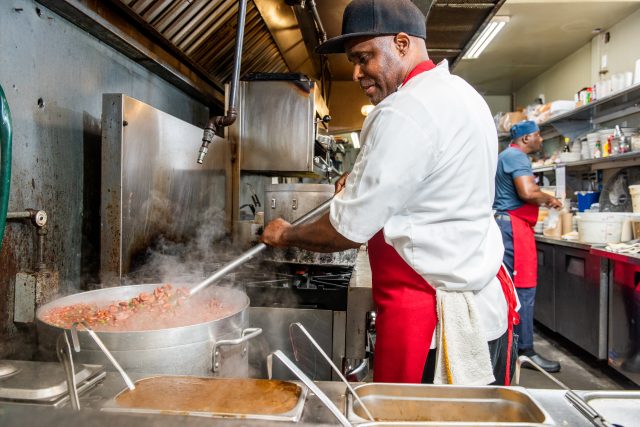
(592, 139)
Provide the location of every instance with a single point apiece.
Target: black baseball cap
(377, 18)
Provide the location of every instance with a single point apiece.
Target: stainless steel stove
(284, 293)
(297, 286)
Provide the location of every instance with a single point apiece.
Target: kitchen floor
(580, 370)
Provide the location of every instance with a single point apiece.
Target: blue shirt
(512, 163)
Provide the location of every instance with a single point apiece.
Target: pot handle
(246, 335)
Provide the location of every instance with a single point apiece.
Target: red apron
(406, 307)
(525, 256)
(406, 315)
(513, 316)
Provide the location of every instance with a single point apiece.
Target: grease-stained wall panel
(56, 145)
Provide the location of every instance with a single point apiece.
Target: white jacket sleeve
(397, 155)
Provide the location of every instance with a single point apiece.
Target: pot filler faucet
(216, 124)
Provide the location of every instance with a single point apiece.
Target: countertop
(561, 242)
(615, 256)
(598, 250)
(314, 414)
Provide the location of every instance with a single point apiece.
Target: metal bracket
(247, 334)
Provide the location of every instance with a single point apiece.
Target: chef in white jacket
(421, 194)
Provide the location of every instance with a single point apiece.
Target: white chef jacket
(426, 174)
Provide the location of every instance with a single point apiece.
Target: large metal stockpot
(214, 348)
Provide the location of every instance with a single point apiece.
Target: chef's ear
(402, 42)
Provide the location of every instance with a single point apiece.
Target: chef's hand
(554, 203)
(273, 234)
(341, 182)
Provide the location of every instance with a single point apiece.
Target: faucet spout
(216, 124)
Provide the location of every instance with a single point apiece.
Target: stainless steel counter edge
(560, 242)
(598, 250)
(314, 414)
(628, 258)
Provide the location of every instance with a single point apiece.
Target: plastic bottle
(567, 148)
(597, 152)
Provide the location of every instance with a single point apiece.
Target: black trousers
(498, 353)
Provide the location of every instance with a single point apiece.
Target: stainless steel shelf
(612, 107)
(593, 111)
(617, 161)
(544, 169)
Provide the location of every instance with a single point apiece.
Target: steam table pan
(430, 405)
(618, 407)
(243, 398)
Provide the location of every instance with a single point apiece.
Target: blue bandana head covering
(523, 128)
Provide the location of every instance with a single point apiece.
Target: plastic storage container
(599, 230)
(634, 190)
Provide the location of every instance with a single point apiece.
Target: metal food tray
(448, 424)
(292, 416)
(409, 404)
(45, 382)
(618, 407)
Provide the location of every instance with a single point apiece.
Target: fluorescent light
(488, 34)
(355, 140)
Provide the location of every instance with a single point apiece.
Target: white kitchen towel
(463, 352)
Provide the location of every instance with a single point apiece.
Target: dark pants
(498, 353)
(527, 296)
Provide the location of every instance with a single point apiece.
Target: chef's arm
(317, 236)
(529, 192)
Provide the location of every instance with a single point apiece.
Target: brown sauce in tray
(214, 395)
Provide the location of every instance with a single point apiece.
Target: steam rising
(186, 262)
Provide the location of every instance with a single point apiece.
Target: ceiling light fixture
(488, 34)
(366, 109)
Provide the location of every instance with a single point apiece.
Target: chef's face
(377, 65)
(534, 141)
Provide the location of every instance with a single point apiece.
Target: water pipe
(216, 124)
(5, 160)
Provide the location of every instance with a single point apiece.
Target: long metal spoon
(105, 350)
(63, 351)
(328, 359)
(246, 256)
(309, 383)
